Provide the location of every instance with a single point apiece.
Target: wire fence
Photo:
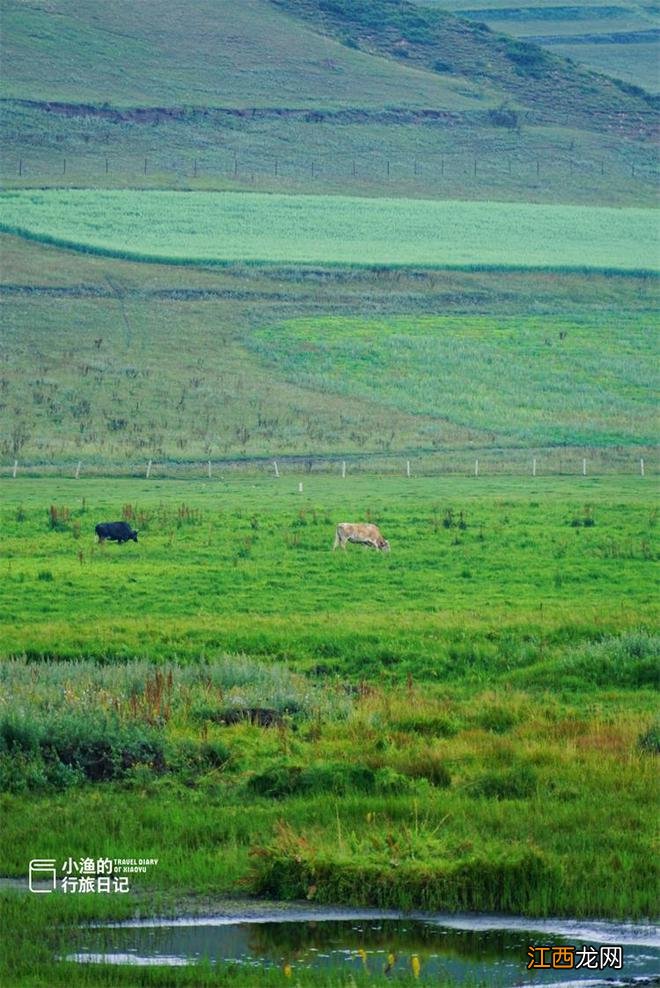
(256, 167)
(577, 463)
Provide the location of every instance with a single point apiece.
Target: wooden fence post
(277, 472)
(534, 467)
(78, 469)
(15, 470)
(343, 468)
(476, 468)
(407, 468)
(209, 466)
(641, 466)
(584, 467)
(148, 469)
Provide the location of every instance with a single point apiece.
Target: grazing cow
(361, 533)
(116, 531)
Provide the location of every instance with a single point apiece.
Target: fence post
(534, 467)
(106, 166)
(407, 468)
(277, 472)
(14, 471)
(64, 166)
(209, 466)
(476, 468)
(195, 168)
(641, 466)
(584, 467)
(145, 166)
(78, 469)
(343, 469)
(148, 469)
(300, 487)
(20, 166)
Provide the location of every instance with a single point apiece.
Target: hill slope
(276, 362)
(619, 38)
(437, 40)
(172, 54)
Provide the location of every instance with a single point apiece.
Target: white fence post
(534, 467)
(476, 468)
(343, 468)
(209, 467)
(584, 468)
(78, 469)
(300, 487)
(14, 471)
(641, 466)
(148, 469)
(277, 472)
(407, 468)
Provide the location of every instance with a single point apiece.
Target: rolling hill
(310, 95)
(621, 38)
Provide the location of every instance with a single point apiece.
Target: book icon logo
(42, 870)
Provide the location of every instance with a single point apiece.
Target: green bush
(519, 782)
(60, 750)
(281, 780)
(649, 741)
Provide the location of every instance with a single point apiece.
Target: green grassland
(371, 117)
(559, 24)
(495, 671)
(203, 227)
(92, 367)
(244, 565)
(273, 59)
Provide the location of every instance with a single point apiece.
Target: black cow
(116, 531)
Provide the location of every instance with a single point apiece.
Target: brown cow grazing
(361, 533)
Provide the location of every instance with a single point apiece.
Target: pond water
(466, 949)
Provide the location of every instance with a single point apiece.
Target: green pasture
(484, 574)
(514, 376)
(274, 59)
(201, 227)
(576, 31)
(500, 365)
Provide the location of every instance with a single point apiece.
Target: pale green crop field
(224, 227)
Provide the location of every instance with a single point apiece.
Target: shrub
(281, 780)
(59, 750)
(497, 719)
(649, 741)
(519, 782)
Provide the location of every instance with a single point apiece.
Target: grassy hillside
(156, 54)
(619, 39)
(436, 40)
(304, 100)
(92, 365)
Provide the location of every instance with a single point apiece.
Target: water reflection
(424, 949)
